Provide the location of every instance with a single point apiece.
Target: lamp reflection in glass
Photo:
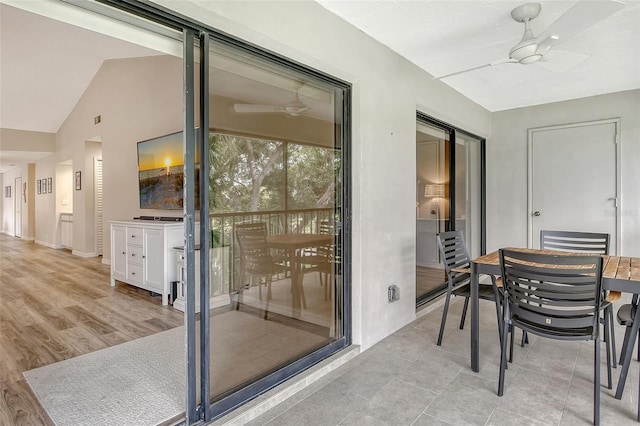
(434, 191)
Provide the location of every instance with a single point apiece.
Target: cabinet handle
(133, 273)
(133, 255)
(143, 256)
(124, 252)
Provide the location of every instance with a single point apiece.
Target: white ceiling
(443, 37)
(47, 64)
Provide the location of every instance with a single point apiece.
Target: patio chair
(593, 243)
(556, 297)
(256, 260)
(456, 260)
(626, 315)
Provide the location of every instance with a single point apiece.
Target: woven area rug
(117, 385)
(142, 382)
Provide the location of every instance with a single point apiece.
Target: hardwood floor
(55, 306)
(428, 279)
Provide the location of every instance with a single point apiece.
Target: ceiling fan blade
(501, 61)
(578, 18)
(561, 60)
(252, 108)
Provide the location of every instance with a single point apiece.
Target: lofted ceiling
(444, 37)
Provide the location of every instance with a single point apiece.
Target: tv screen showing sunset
(161, 172)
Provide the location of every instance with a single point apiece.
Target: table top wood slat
(634, 265)
(615, 267)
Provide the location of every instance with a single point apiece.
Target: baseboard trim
(83, 254)
(50, 245)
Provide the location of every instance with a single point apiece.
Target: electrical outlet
(393, 293)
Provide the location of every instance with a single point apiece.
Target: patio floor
(407, 380)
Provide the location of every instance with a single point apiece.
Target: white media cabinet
(142, 254)
(219, 277)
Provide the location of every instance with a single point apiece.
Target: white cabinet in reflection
(219, 266)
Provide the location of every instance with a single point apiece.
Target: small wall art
(78, 181)
(39, 186)
(49, 185)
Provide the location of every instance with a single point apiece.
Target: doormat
(141, 382)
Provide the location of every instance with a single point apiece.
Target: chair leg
(496, 295)
(503, 358)
(625, 342)
(525, 339)
(596, 384)
(607, 339)
(444, 318)
(464, 313)
(513, 332)
(626, 356)
(266, 303)
(612, 333)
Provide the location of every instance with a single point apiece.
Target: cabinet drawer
(134, 273)
(134, 235)
(135, 254)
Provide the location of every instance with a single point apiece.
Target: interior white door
(17, 207)
(573, 180)
(97, 180)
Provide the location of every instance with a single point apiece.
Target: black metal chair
(256, 260)
(592, 243)
(626, 315)
(554, 296)
(456, 260)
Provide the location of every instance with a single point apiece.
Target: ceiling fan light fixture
(524, 50)
(531, 59)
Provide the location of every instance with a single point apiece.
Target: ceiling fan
(532, 49)
(294, 107)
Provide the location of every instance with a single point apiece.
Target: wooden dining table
(294, 245)
(619, 273)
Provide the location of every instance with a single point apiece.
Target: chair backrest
(570, 241)
(454, 255)
(556, 296)
(252, 242)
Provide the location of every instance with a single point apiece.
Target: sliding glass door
(270, 178)
(449, 193)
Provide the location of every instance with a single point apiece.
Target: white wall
(507, 212)
(138, 99)
(387, 91)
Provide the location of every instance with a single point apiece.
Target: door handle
(536, 213)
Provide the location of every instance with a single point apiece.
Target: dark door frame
(452, 131)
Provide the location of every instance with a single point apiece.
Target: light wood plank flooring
(428, 279)
(55, 306)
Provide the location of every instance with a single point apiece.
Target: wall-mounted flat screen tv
(161, 172)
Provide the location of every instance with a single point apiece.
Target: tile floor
(407, 380)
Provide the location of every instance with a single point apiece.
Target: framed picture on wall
(7, 191)
(49, 185)
(78, 181)
(39, 186)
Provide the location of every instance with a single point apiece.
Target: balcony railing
(304, 221)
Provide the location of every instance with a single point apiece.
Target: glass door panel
(432, 206)
(275, 212)
(468, 191)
